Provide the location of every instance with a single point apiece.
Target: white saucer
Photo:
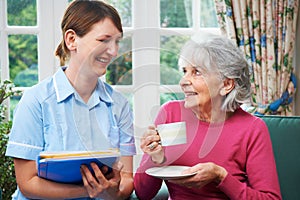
(169, 172)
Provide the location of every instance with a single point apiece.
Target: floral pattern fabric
(265, 31)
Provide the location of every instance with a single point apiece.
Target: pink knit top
(241, 145)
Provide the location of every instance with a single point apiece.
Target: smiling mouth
(187, 94)
(103, 60)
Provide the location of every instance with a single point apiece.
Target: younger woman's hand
(99, 186)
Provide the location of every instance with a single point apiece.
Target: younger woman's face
(98, 47)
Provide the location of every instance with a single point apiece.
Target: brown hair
(80, 16)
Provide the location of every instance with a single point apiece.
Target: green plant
(7, 178)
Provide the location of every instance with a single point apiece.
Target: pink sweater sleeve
(145, 186)
(259, 164)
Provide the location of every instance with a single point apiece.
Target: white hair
(219, 54)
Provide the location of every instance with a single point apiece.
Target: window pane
(119, 72)
(169, 52)
(124, 9)
(21, 13)
(176, 13)
(23, 60)
(208, 16)
(165, 97)
(14, 100)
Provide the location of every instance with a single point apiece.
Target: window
(28, 38)
(145, 71)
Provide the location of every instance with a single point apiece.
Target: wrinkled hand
(150, 144)
(205, 173)
(101, 186)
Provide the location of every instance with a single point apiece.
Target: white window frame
(145, 33)
(47, 32)
(146, 44)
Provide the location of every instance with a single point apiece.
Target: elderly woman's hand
(150, 144)
(205, 173)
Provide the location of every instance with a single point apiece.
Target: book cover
(64, 167)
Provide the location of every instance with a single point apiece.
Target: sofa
(285, 136)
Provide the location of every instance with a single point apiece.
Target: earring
(223, 92)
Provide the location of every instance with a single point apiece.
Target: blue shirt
(51, 116)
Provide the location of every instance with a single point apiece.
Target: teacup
(172, 133)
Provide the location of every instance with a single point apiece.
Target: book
(64, 167)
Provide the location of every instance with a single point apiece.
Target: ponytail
(61, 54)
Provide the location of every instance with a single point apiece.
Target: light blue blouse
(51, 116)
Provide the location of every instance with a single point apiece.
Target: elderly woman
(228, 150)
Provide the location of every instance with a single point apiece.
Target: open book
(64, 166)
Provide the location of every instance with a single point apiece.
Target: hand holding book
(64, 167)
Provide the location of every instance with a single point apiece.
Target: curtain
(265, 31)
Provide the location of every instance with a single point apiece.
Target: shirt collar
(103, 92)
(64, 89)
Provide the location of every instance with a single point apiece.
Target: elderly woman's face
(200, 89)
